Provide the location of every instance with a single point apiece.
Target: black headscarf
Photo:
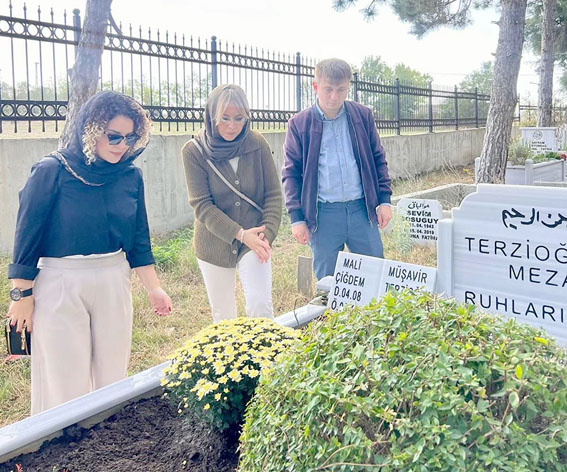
(99, 170)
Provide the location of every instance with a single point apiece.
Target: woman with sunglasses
(235, 192)
(81, 227)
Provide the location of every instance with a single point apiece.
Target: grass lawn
(155, 338)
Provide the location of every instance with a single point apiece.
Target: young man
(335, 176)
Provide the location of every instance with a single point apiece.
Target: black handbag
(17, 343)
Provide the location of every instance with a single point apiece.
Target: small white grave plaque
(400, 275)
(423, 216)
(505, 250)
(358, 279)
(540, 139)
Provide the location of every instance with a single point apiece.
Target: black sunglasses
(115, 139)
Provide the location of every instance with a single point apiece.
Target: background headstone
(423, 216)
(505, 250)
(540, 139)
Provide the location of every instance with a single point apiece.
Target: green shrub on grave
(412, 383)
(546, 157)
(519, 152)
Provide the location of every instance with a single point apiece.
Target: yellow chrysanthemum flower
(234, 375)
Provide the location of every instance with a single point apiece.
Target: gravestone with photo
(358, 279)
(423, 216)
(505, 250)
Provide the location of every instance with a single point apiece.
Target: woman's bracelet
(242, 236)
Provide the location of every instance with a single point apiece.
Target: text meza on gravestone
(505, 250)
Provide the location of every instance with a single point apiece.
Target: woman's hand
(255, 239)
(160, 301)
(21, 313)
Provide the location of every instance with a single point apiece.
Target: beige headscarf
(217, 148)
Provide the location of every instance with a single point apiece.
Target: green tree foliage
(423, 15)
(375, 70)
(426, 15)
(480, 79)
(195, 94)
(534, 22)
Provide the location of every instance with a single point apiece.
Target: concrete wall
(415, 154)
(166, 194)
(449, 196)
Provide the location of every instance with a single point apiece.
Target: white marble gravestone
(422, 216)
(505, 250)
(358, 279)
(540, 139)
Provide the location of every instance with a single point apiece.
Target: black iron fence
(172, 75)
(527, 114)
(401, 106)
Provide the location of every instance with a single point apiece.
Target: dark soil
(146, 436)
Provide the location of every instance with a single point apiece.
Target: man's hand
(384, 214)
(300, 233)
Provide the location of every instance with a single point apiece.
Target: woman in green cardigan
(235, 192)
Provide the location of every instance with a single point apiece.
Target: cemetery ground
(155, 338)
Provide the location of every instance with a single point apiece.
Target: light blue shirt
(339, 177)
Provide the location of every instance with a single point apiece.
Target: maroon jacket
(300, 171)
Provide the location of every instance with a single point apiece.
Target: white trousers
(82, 327)
(256, 279)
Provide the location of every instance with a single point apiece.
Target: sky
(315, 29)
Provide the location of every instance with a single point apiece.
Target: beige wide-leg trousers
(82, 327)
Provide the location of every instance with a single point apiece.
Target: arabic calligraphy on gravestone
(358, 279)
(423, 216)
(505, 250)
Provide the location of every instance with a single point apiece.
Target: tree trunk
(545, 89)
(503, 95)
(84, 74)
